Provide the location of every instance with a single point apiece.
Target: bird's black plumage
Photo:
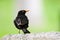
(21, 21)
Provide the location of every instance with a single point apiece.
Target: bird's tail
(25, 31)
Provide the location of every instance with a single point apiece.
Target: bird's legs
(19, 31)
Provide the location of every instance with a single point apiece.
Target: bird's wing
(22, 20)
(18, 21)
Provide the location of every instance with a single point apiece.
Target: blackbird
(21, 21)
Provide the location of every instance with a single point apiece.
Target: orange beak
(27, 10)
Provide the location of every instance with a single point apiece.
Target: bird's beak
(27, 10)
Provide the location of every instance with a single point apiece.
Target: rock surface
(37, 36)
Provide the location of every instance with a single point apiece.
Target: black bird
(21, 21)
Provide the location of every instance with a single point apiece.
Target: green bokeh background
(51, 13)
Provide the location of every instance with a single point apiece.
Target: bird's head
(22, 12)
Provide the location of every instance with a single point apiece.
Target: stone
(36, 36)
